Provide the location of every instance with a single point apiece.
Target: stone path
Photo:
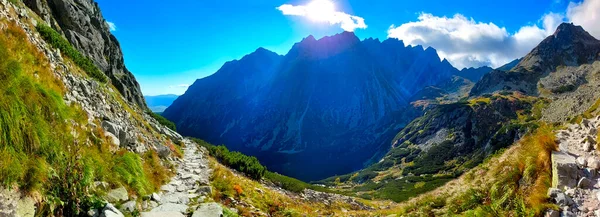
(187, 190)
(575, 180)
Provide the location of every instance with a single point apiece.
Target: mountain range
(337, 101)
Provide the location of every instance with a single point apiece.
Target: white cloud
(324, 11)
(111, 26)
(468, 43)
(587, 15)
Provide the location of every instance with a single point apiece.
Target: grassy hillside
(48, 150)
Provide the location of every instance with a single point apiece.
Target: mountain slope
(82, 23)
(334, 100)
(569, 46)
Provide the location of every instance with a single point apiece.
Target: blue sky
(168, 45)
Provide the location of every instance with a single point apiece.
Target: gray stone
(178, 197)
(113, 139)
(168, 188)
(563, 200)
(570, 192)
(170, 207)
(163, 151)
(204, 190)
(552, 192)
(155, 197)
(564, 170)
(111, 211)
(116, 195)
(593, 163)
(130, 206)
(26, 207)
(585, 183)
(110, 127)
(162, 214)
(208, 210)
(552, 213)
(582, 162)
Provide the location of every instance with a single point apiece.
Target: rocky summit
(337, 101)
(82, 23)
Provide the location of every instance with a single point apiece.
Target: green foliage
(253, 169)
(564, 89)
(44, 150)
(162, 120)
(405, 188)
(129, 168)
(235, 160)
(57, 41)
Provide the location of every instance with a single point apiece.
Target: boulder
(585, 183)
(163, 151)
(564, 170)
(208, 210)
(130, 206)
(170, 207)
(593, 162)
(155, 197)
(113, 139)
(117, 195)
(111, 211)
(552, 213)
(582, 162)
(162, 214)
(110, 127)
(563, 200)
(204, 190)
(552, 192)
(26, 207)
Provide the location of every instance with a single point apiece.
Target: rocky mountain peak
(570, 45)
(573, 32)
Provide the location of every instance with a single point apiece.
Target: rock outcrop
(569, 46)
(84, 26)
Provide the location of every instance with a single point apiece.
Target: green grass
(162, 120)
(57, 41)
(253, 169)
(45, 152)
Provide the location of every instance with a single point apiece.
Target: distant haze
(160, 102)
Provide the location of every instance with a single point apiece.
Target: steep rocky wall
(128, 125)
(81, 22)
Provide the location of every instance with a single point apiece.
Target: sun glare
(320, 10)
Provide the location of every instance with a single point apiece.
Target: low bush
(162, 120)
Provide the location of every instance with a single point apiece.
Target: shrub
(162, 120)
(57, 41)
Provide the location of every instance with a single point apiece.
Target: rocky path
(575, 180)
(187, 190)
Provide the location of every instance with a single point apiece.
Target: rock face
(336, 101)
(454, 132)
(84, 26)
(569, 46)
(564, 170)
